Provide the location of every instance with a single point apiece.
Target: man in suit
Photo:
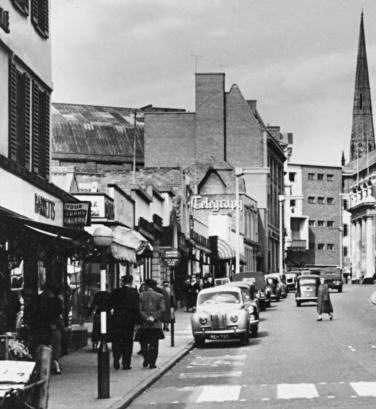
(152, 307)
(125, 305)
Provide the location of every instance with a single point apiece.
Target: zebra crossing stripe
(219, 393)
(297, 390)
(364, 388)
(193, 375)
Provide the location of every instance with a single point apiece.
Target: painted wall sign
(44, 207)
(199, 202)
(4, 20)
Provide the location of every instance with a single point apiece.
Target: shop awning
(126, 243)
(227, 252)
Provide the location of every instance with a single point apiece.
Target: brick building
(313, 203)
(225, 127)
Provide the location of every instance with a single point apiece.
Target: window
(320, 176)
(345, 230)
(292, 203)
(311, 223)
(19, 116)
(311, 199)
(39, 16)
(311, 176)
(320, 200)
(311, 246)
(292, 176)
(345, 251)
(329, 178)
(29, 122)
(330, 200)
(320, 246)
(345, 204)
(321, 223)
(330, 246)
(330, 223)
(22, 6)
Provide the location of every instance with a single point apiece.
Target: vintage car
(221, 313)
(263, 292)
(221, 281)
(291, 280)
(281, 277)
(278, 287)
(333, 277)
(306, 289)
(251, 303)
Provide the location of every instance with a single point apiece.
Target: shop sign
(171, 254)
(76, 214)
(44, 207)
(172, 262)
(4, 20)
(102, 206)
(199, 203)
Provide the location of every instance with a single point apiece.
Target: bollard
(172, 326)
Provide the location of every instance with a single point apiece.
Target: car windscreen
(308, 281)
(227, 297)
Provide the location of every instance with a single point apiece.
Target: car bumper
(253, 322)
(306, 299)
(208, 332)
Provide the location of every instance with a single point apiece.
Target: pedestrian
(324, 305)
(50, 323)
(193, 290)
(152, 307)
(137, 335)
(169, 299)
(125, 315)
(100, 303)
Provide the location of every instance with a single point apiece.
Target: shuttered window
(41, 131)
(19, 116)
(22, 6)
(40, 16)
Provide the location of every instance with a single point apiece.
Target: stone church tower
(362, 133)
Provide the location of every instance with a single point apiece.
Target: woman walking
(324, 305)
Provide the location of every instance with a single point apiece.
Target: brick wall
(169, 139)
(210, 114)
(244, 142)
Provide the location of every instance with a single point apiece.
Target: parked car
(333, 277)
(291, 280)
(306, 289)
(221, 281)
(221, 313)
(281, 277)
(263, 292)
(251, 303)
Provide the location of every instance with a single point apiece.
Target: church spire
(362, 133)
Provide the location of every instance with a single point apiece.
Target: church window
(360, 102)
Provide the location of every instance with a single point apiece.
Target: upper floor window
(22, 6)
(311, 223)
(330, 223)
(330, 246)
(345, 251)
(330, 200)
(345, 204)
(29, 122)
(311, 176)
(321, 246)
(311, 199)
(321, 223)
(329, 178)
(40, 16)
(345, 230)
(292, 203)
(320, 176)
(292, 176)
(320, 200)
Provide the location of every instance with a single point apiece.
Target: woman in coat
(324, 305)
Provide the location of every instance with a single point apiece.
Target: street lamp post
(238, 173)
(281, 249)
(102, 237)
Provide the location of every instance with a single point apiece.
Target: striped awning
(227, 252)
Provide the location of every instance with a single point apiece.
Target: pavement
(77, 387)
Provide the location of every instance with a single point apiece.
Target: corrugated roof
(96, 130)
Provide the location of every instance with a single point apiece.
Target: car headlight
(203, 320)
(234, 318)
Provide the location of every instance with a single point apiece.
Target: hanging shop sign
(4, 20)
(76, 214)
(172, 257)
(102, 206)
(200, 202)
(44, 207)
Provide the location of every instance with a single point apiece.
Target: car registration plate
(219, 336)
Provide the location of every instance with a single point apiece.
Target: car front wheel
(298, 303)
(199, 342)
(254, 331)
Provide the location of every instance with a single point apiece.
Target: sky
(297, 58)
